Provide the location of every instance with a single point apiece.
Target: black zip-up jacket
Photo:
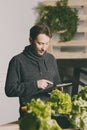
(25, 69)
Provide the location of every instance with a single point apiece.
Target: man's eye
(39, 43)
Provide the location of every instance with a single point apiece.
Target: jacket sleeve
(14, 87)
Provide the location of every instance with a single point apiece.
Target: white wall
(16, 18)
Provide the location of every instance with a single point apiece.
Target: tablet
(51, 87)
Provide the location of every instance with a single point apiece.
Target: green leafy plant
(60, 18)
(60, 102)
(38, 113)
(78, 115)
(38, 117)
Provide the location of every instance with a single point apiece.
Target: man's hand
(43, 83)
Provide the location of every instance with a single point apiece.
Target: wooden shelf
(73, 3)
(70, 55)
(82, 43)
(82, 29)
(83, 17)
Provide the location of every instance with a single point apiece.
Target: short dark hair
(40, 29)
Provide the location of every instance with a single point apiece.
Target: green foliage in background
(60, 18)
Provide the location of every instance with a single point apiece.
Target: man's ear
(30, 40)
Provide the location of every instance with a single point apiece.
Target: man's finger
(49, 82)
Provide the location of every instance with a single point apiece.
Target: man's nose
(44, 47)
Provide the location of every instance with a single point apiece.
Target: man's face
(41, 43)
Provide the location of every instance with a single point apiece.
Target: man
(33, 69)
